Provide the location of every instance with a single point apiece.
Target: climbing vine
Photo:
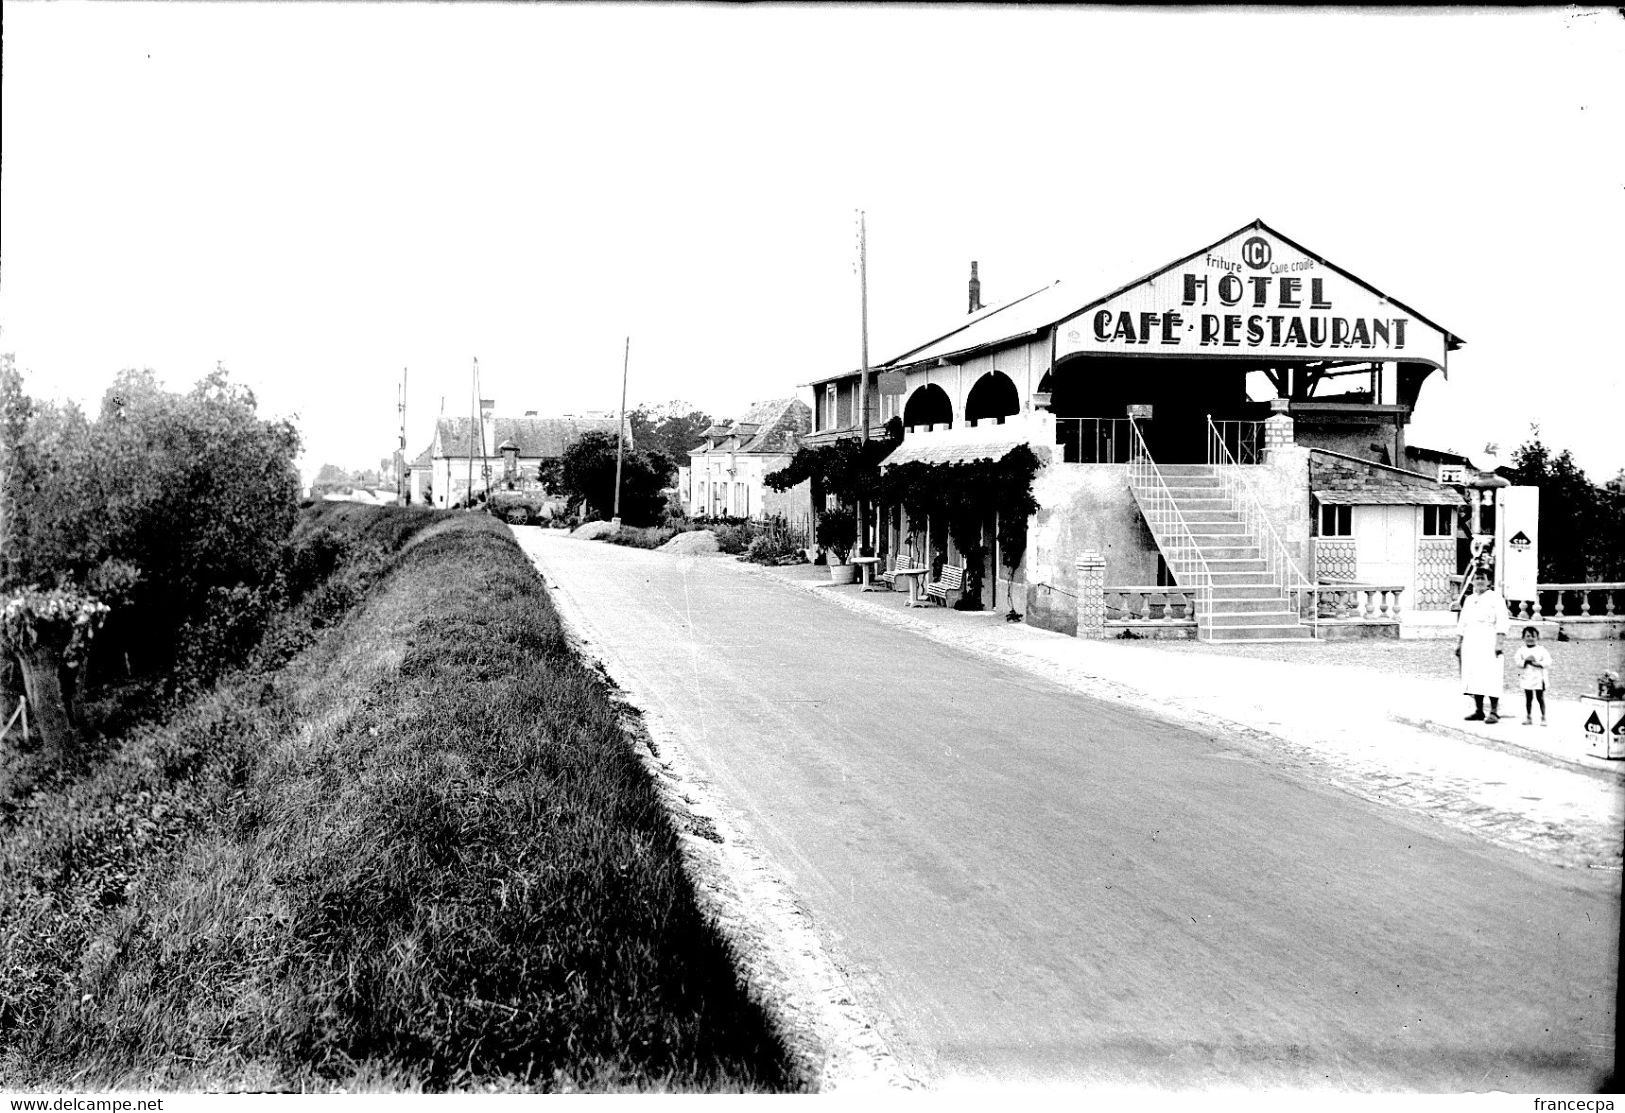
(968, 496)
(848, 468)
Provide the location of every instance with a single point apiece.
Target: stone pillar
(1278, 427)
(1091, 568)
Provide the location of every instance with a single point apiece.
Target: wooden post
(863, 373)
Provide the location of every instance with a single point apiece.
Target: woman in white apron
(1480, 627)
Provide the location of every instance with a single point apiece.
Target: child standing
(1534, 664)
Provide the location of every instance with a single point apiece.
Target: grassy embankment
(417, 854)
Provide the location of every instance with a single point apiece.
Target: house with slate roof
(726, 470)
(497, 452)
(1220, 434)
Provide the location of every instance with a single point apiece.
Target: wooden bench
(952, 579)
(894, 561)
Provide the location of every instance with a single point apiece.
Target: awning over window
(1391, 496)
(931, 449)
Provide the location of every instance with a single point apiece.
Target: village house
(724, 477)
(1225, 441)
(495, 452)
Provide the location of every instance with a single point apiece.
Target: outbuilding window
(1438, 521)
(1336, 521)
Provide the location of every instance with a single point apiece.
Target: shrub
(734, 539)
(838, 532)
(651, 538)
(771, 548)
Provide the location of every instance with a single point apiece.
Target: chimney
(975, 289)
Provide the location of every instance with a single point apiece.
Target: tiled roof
(536, 437)
(929, 449)
(1390, 496)
(1038, 309)
(767, 427)
(1338, 479)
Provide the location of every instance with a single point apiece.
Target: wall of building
(1352, 437)
(1082, 507)
(794, 505)
(1025, 364)
(744, 494)
(1089, 508)
(1282, 486)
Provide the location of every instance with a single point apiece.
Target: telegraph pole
(620, 435)
(400, 464)
(863, 375)
(863, 293)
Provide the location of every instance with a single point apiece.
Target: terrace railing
(1594, 602)
(1179, 549)
(1243, 441)
(1093, 440)
(1148, 604)
(1279, 564)
(1356, 602)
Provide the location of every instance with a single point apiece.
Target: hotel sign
(1252, 295)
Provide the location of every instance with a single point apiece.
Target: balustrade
(1596, 602)
(1359, 602)
(1150, 604)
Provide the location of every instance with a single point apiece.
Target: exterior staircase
(1246, 602)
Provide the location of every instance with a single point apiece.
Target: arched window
(928, 405)
(993, 397)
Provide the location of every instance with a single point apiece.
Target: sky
(319, 197)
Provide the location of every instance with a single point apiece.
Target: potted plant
(837, 533)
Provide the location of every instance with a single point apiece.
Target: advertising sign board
(1253, 294)
(1517, 541)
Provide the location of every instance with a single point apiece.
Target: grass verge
(419, 855)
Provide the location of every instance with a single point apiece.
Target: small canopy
(933, 450)
(1391, 496)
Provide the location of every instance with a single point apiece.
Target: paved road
(1031, 885)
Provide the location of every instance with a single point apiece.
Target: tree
(586, 474)
(671, 429)
(148, 513)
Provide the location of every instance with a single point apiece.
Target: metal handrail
(1105, 445)
(1278, 562)
(1168, 526)
(1248, 435)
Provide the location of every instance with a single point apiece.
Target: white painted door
(1385, 547)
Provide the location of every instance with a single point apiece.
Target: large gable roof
(1048, 306)
(1452, 339)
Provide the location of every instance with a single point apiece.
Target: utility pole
(863, 374)
(485, 459)
(473, 417)
(400, 463)
(620, 435)
(863, 293)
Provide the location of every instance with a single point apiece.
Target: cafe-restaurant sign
(1250, 295)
